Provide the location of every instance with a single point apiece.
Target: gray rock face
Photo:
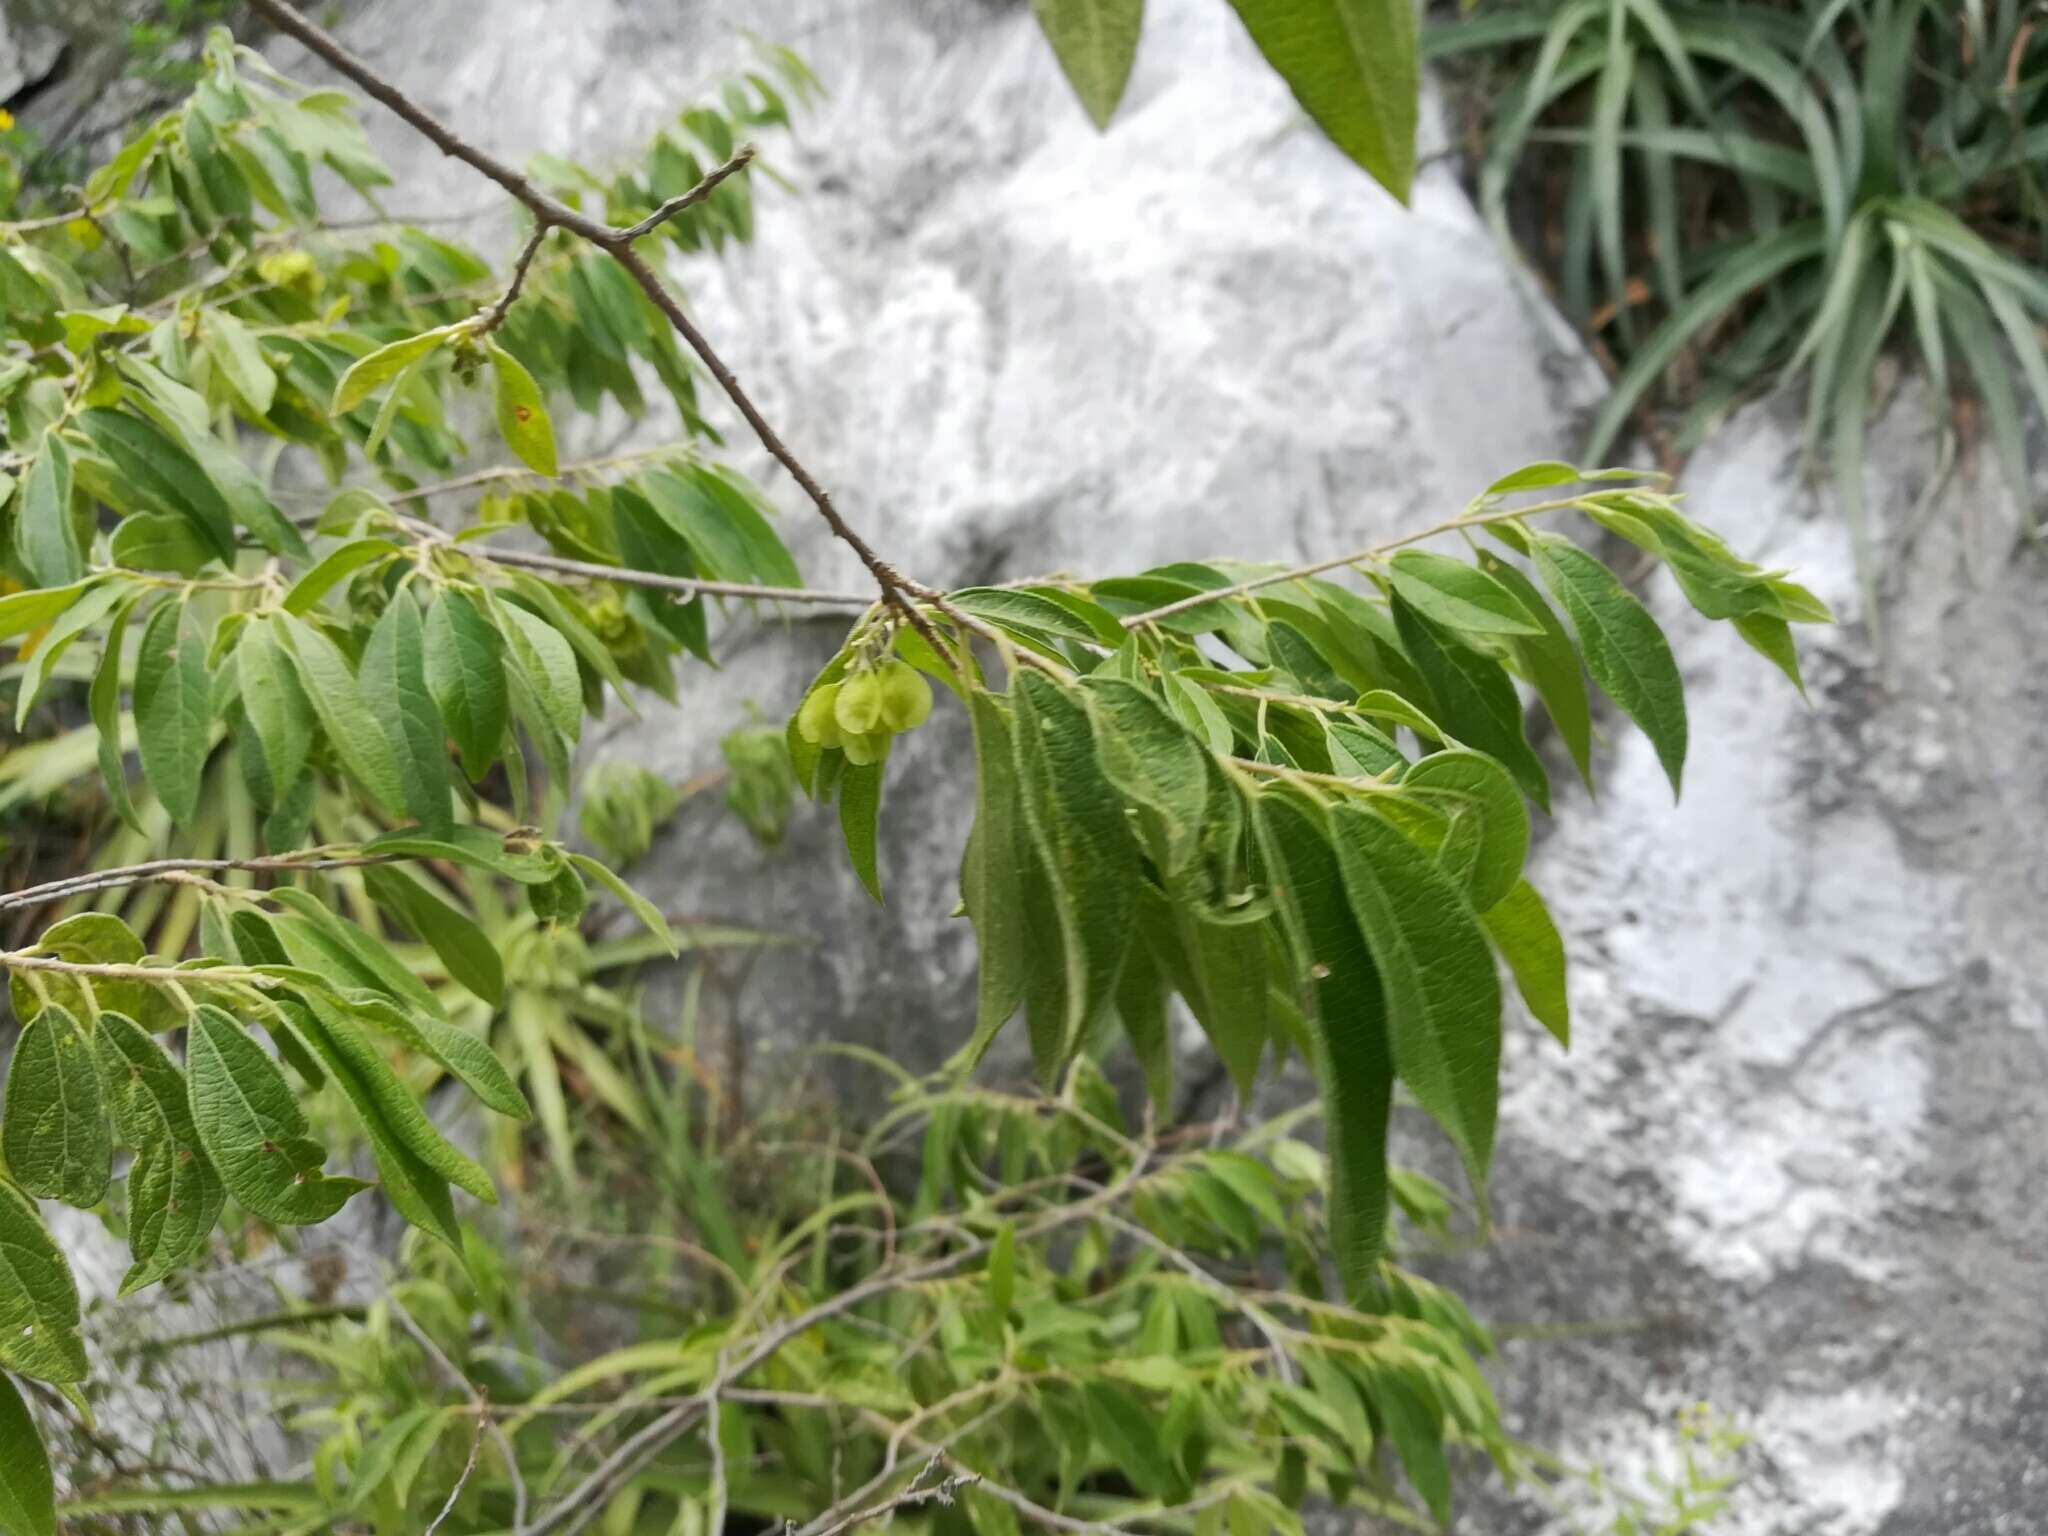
(1791, 1166)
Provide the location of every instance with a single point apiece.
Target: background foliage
(319, 756)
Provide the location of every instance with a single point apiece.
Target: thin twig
(919, 1492)
(476, 1443)
(689, 586)
(495, 315)
(156, 975)
(741, 158)
(161, 869)
(1356, 557)
(461, 1382)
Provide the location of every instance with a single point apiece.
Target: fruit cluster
(860, 712)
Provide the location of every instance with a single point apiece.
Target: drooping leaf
(860, 804)
(1550, 663)
(470, 956)
(43, 530)
(466, 674)
(239, 357)
(650, 915)
(1489, 837)
(1520, 927)
(522, 414)
(1443, 999)
(1156, 764)
(1473, 698)
(548, 663)
(1352, 1060)
(174, 706)
(55, 1130)
(991, 873)
(174, 1195)
(163, 476)
(471, 1062)
(1625, 650)
(1353, 65)
(276, 707)
(38, 1299)
(334, 567)
(1095, 42)
(352, 727)
(1077, 826)
(394, 672)
(251, 1126)
(81, 616)
(103, 701)
(28, 1501)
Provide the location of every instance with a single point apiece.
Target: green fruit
(858, 709)
(814, 720)
(863, 749)
(906, 696)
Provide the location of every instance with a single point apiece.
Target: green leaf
(352, 729)
(467, 678)
(1095, 42)
(174, 706)
(55, 1130)
(399, 1133)
(1456, 595)
(1771, 638)
(1520, 927)
(1077, 824)
(367, 373)
(470, 1060)
(394, 672)
(648, 913)
(1472, 696)
(1488, 838)
(728, 538)
(1550, 663)
(103, 700)
(522, 414)
(1002, 1269)
(28, 1500)
(162, 476)
(276, 707)
(1625, 650)
(174, 1195)
(1535, 477)
(548, 663)
(240, 360)
(470, 956)
(63, 630)
(159, 541)
(1129, 1433)
(1353, 65)
(251, 1126)
(323, 940)
(1154, 762)
(991, 879)
(1040, 616)
(860, 805)
(1443, 998)
(21, 612)
(336, 566)
(43, 530)
(1348, 1031)
(38, 1299)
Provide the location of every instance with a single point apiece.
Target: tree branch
(160, 869)
(495, 315)
(741, 159)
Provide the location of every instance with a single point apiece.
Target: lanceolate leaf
(1353, 1064)
(250, 1123)
(1473, 697)
(1625, 650)
(1095, 42)
(1520, 927)
(352, 728)
(368, 373)
(394, 673)
(163, 476)
(174, 1195)
(43, 530)
(38, 1299)
(55, 1131)
(103, 700)
(1457, 595)
(1443, 999)
(466, 673)
(1078, 827)
(1353, 65)
(28, 1505)
(522, 415)
(470, 956)
(1156, 765)
(860, 804)
(471, 1061)
(174, 706)
(1489, 826)
(991, 873)
(1550, 663)
(239, 357)
(276, 705)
